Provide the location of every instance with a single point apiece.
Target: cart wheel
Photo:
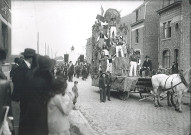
(124, 95)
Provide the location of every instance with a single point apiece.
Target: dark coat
(20, 86)
(34, 121)
(19, 81)
(71, 70)
(147, 64)
(108, 81)
(175, 68)
(13, 71)
(102, 82)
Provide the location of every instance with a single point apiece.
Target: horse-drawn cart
(126, 85)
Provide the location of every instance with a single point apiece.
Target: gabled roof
(176, 3)
(140, 6)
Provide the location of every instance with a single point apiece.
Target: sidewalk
(79, 125)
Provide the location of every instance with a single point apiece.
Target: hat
(59, 84)
(103, 73)
(147, 56)
(29, 52)
(2, 54)
(44, 63)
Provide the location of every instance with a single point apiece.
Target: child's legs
(101, 94)
(108, 92)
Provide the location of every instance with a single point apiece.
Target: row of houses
(159, 29)
(5, 26)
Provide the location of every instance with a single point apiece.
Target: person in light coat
(133, 64)
(59, 107)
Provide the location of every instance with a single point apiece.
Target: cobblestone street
(131, 117)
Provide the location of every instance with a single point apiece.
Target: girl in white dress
(59, 107)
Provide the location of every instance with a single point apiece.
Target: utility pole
(38, 43)
(48, 51)
(45, 48)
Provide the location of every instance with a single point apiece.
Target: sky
(61, 24)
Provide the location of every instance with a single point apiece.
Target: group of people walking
(69, 70)
(44, 100)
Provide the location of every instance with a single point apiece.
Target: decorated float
(111, 53)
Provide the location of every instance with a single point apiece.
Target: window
(167, 29)
(166, 59)
(164, 30)
(4, 35)
(137, 15)
(137, 36)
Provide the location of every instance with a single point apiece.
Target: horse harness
(171, 85)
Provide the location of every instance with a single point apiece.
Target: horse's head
(187, 76)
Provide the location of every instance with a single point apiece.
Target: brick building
(5, 26)
(89, 50)
(143, 30)
(174, 34)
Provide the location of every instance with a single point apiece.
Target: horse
(175, 83)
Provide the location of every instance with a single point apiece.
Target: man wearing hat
(38, 85)
(20, 85)
(147, 65)
(23, 68)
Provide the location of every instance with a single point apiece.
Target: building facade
(5, 26)
(174, 33)
(143, 30)
(89, 50)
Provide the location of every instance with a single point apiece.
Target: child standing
(75, 91)
(59, 107)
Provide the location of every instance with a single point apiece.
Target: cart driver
(147, 65)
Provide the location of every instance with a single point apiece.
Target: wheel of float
(124, 95)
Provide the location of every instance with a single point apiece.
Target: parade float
(109, 38)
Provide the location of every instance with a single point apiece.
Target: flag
(102, 11)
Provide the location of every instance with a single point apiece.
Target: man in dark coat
(20, 86)
(147, 65)
(84, 72)
(37, 94)
(70, 72)
(175, 68)
(78, 71)
(102, 87)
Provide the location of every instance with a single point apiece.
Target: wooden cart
(126, 85)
